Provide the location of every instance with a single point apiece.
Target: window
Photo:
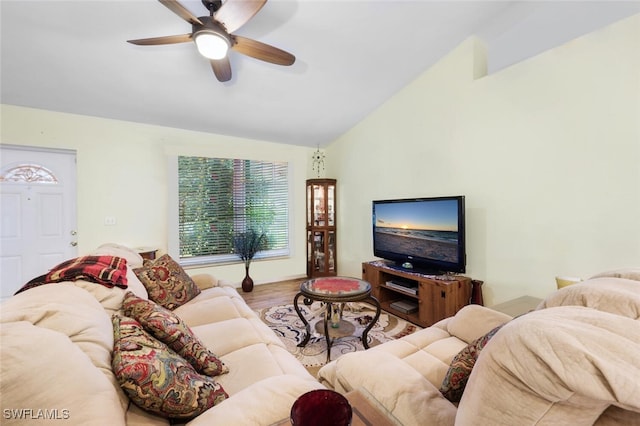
(219, 198)
(28, 173)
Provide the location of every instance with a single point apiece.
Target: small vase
(476, 293)
(247, 282)
(335, 317)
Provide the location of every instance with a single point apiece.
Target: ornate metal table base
(361, 294)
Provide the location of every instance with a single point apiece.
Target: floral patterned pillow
(166, 282)
(157, 379)
(460, 369)
(167, 327)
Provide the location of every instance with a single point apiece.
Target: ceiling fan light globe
(211, 45)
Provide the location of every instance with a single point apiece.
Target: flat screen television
(421, 234)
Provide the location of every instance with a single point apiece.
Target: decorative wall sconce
(318, 161)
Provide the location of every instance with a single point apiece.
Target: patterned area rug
(284, 321)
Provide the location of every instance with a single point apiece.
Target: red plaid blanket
(109, 271)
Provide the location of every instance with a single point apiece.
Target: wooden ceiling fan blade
(181, 11)
(181, 38)
(235, 13)
(262, 51)
(221, 68)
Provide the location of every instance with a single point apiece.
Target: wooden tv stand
(437, 296)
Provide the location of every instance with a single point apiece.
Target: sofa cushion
(626, 273)
(134, 260)
(156, 378)
(44, 373)
(618, 296)
(265, 402)
(204, 281)
(214, 305)
(136, 416)
(401, 390)
(69, 310)
(111, 298)
(166, 282)
(562, 365)
(428, 351)
(167, 327)
(135, 285)
(474, 321)
(460, 369)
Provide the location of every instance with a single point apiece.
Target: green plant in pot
(246, 245)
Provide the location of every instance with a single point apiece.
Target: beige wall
(122, 172)
(547, 153)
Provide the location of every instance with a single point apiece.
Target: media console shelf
(436, 296)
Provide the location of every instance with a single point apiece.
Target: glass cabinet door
(321, 227)
(330, 251)
(319, 206)
(331, 202)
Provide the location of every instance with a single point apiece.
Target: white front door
(38, 213)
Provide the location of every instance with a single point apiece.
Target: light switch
(110, 220)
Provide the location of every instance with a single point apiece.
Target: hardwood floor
(265, 295)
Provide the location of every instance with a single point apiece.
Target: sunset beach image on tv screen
(427, 229)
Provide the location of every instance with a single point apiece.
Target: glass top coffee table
(335, 292)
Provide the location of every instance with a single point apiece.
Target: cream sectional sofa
(575, 360)
(56, 353)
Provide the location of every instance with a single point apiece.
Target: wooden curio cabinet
(321, 228)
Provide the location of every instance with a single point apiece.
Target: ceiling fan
(212, 34)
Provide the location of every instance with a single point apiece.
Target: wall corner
(479, 58)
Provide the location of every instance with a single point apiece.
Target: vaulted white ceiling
(351, 56)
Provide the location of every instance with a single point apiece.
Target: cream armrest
(399, 388)
(561, 365)
(271, 399)
(227, 283)
(205, 281)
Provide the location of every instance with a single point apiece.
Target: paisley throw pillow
(157, 379)
(170, 329)
(166, 282)
(461, 366)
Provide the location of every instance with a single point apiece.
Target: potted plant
(246, 245)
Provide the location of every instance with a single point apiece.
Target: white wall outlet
(110, 220)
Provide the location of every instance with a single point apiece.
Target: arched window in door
(28, 173)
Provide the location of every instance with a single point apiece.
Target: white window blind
(220, 197)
